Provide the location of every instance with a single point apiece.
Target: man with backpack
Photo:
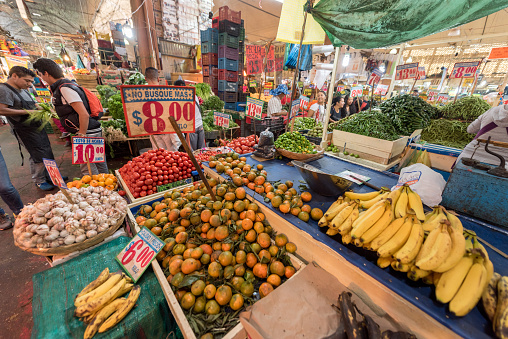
(77, 107)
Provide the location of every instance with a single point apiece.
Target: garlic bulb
(69, 240)
(80, 238)
(91, 233)
(42, 229)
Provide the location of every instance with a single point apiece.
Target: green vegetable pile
(105, 92)
(408, 113)
(304, 123)
(44, 116)
(213, 103)
(447, 133)
(372, 124)
(316, 131)
(208, 122)
(115, 106)
(136, 79)
(204, 91)
(294, 142)
(115, 124)
(467, 108)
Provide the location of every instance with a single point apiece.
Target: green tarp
(381, 23)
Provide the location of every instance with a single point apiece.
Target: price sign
(254, 108)
(268, 85)
(54, 173)
(464, 70)
(221, 119)
(295, 107)
(340, 89)
(406, 71)
(375, 77)
(304, 102)
(266, 92)
(381, 89)
(92, 147)
(356, 91)
(147, 109)
(139, 252)
(443, 98)
(421, 73)
(252, 83)
(307, 91)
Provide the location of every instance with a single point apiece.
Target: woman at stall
(349, 108)
(317, 110)
(335, 111)
(275, 103)
(494, 124)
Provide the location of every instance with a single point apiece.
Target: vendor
(317, 110)
(494, 124)
(337, 104)
(275, 103)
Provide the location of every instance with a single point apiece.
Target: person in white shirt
(197, 139)
(317, 110)
(275, 103)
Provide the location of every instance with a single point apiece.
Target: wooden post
(458, 88)
(476, 78)
(64, 191)
(371, 97)
(330, 98)
(88, 164)
(191, 156)
(414, 83)
(152, 139)
(392, 81)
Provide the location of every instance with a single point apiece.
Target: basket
(298, 156)
(210, 34)
(230, 76)
(74, 247)
(225, 86)
(209, 47)
(230, 65)
(228, 40)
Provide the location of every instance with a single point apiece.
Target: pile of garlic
(52, 221)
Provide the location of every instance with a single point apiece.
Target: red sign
(254, 56)
(304, 102)
(356, 91)
(254, 108)
(406, 71)
(92, 147)
(498, 53)
(221, 119)
(443, 98)
(464, 70)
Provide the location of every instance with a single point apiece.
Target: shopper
(349, 108)
(317, 110)
(275, 103)
(335, 111)
(15, 102)
(197, 139)
(9, 195)
(72, 107)
(364, 103)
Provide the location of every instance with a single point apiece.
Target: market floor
(17, 266)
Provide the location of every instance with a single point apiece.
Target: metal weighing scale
(479, 189)
(321, 182)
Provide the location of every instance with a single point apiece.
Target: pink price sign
(254, 108)
(406, 71)
(91, 149)
(356, 91)
(221, 119)
(464, 70)
(304, 102)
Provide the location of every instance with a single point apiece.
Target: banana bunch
(405, 199)
(340, 217)
(367, 200)
(495, 304)
(99, 304)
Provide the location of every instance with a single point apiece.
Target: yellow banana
(409, 251)
(369, 203)
(334, 210)
(400, 208)
(379, 226)
(428, 243)
(348, 224)
(357, 242)
(362, 196)
(387, 234)
(100, 302)
(489, 297)
(436, 276)
(331, 232)
(397, 241)
(99, 291)
(96, 283)
(431, 214)
(428, 279)
(366, 213)
(342, 215)
(454, 221)
(394, 197)
(502, 305)
(346, 239)
(102, 315)
(434, 221)
(439, 251)
(416, 274)
(502, 329)
(122, 311)
(398, 266)
(384, 262)
(323, 222)
(415, 203)
(450, 281)
(457, 250)
(367, 222)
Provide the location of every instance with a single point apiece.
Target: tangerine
(223, 295)
(236, 302)
(274, 280)
(306, 196)
(265, 289)
(316, 214)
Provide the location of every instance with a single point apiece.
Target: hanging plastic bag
(428, 183)
(265, 138)
(305, 57)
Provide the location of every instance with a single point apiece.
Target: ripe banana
(386, 235)
(471, 289)
(102, 315)
(454, 221)
(369, 203)
(100, 302)
(502, 329)
(342, 215)
(335, 209)
(331, 232)
(346, 239)
(429, 279)
(397, 241)
(348, 224)
(384, 262)
(436, 277)
(489, 297)
(400, 208)
(409, 251)
(434, 220)
(99, 291)
(323, 222)
(397, 266)
(457, 251)
(394, 196)
(367, 222)
(415, 203)
(122, 310)
(362, 196)
(502, 305)
(416, 274)
(358, 243)
(96, 283)
(451, 280)
(379, 226)
(439, 250)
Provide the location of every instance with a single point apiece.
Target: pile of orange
(287, 200)
(240, 172)
(108, 181)
(226, 248)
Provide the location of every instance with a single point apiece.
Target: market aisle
(19, 266)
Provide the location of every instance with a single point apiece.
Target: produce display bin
(228, 53)
(209, 47)
(226, 14)
(227, 96)
(230, 105)
(210, 34)
(225, 86)
(210, 59)
(230, 65)
(229, 27)
(230, 76)
(228, 40)
(240, 106)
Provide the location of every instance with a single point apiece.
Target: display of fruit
(316, 131)
(219, 255)
(106, 180)
(304, 123)
(332, 148)
(53, 221)
(495, 304)
(286, 199)
(100, 303)
(294, 142)
(154, 168)
(205, 154)
(239, 171)
(241, 145)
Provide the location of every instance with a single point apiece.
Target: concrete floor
(17, 266)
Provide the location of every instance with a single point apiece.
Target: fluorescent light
(36, 14)
(127, 31)
(36, 28)
(345, 61)
(409, 59)
(393, 51)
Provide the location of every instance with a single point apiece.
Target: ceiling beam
(24, 12)
(458, 39)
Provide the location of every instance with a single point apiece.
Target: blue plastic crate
(210, 34)
(239, 108)
(225, 86)
(209, 47)
(230, 105)
(230, 65)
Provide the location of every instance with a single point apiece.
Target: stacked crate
(229, 24)
(242, 97)
(209, 57)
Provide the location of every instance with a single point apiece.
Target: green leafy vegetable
(105, 92)
(213, 103)
(204, 91)
(408, 113)
(115, 107)
(44, 116)
(136, 79)
(467, 108)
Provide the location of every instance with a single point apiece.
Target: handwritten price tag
(464, 70)
(421, 73)
(295, 107)
(406, 71)
(254, 108)
(381, 89)
(139, 252)
(304, 102)
(92, 147)
(221, 119)
(356, 91)
(54, 173)
(443, 98)
(147, 109)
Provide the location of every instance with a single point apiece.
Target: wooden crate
(373, 149)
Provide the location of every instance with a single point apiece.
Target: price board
(54, 173)
(421, 73)
(254, 108)
(498, 53)
(304, 102)
(147, 109)
(381, 89)
(341, 89)
(464, 70)
(252, 83)
(432, 95)
(307, 92)
(375, 77)
(266, 92)
(443, 98)
(356, 91)
(93, 148)
(221, 119)
(295, 107)
(268, 85)
(406, 71)
(139, 253)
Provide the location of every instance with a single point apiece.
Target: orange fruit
(209, 291)
(260, 270)
(316, 213)
(278, 268)
(263, 240)
(110, 187)
(212, 307)
(109, 181)
(187, 300)
(265, 289)
(247, 288)
(140, 219)
(281, 240)
(223, 295)
(282, 187)
(236, 302)
(86, 179)
(274, 280)
(101, 183)
(306, 196)
(304, 216)
(289, 271)
(306, 208)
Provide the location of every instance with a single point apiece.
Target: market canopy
(365, 24)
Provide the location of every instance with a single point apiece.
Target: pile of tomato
(154, 168)
(241, 145)
(205, 155)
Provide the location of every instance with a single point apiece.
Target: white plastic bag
(426, 182)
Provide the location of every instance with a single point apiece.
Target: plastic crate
(210, 71)
(230, 65)
(226, 14)
(241, 46)
(210, 34)
(228, 75)
(228, 96)
(240, 106)
(211, 80)
(225, 86)
(228, 40)
(228, 53)
(209, 47)
(241, 36)
(215, 22)
(210, 59)
(230, 105)
(229, 27)
(242, 96)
